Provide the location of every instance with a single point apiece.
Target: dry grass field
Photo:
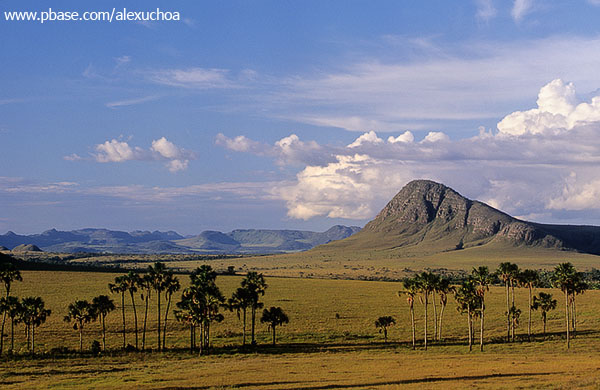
(330, 343)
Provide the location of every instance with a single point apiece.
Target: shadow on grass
(369, 384)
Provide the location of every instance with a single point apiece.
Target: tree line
(470, 298)
(199, 307)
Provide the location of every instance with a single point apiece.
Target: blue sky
(281, 114)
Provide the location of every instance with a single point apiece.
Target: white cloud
(407, 137)
(545, 169)
(161, 149)
(467, 82)
(197, 78)
(130, 102)
(73, 157)
(435, 136)
(485, 10)
(117, 151)
(370, 137)
(287, 150)
(520, 9)
(558, 110)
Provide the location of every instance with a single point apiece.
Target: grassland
(330, 343)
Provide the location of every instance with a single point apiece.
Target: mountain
(208, 242)
(26, 248)
(426, 217)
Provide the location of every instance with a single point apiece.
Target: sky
(296, 114)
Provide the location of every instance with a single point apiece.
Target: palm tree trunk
(507, 312)
(544, 321)
(244, 328)
(3, 323)
(158, 318)
(32, 339)
(123, 311)
(435, 318)
(145, 321)
(574, 317)
(529, 322)
(273, 326)
(80, 338)
(385, 334)
(253, 322)
(567, 318)
(469, 320)
(440, 325)
(2, 333)
(165, 325)
(103, 334)
(191, 337)
(135, 320)
(426, 302)
(414, 328)
(12, 335)
(481, 327)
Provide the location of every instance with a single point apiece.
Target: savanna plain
(330, 342)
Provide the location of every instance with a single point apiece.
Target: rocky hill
(427, 217)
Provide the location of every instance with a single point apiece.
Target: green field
(330, 343)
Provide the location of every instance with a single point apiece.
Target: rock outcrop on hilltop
(434, 217)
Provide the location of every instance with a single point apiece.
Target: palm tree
(171, 285)
(12, 306)
(579, 287)
(468, 300)
(132, 281)
(255, 283)
(426, 281)
(482, 279)
(275, 317)
(145, 284)
(157, 274)
(201, 302)
(240, 301)
(564, 278)
(80, 312)
(383, 323)
(411, 289)
(33, 314)
(529, 278)
(101, 306)
(8, 274)
(443, 289)
(120, 287)
(515, 314)
(507, 272)
(544, 303)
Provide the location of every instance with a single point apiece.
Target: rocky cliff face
(429, 214)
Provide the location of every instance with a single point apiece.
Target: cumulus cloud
(370, 137)
(116, 151)
(539, 163)
(558, 110)
(287, 150)
(406, 137)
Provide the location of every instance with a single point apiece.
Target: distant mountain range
(248, 241)
(426, 217)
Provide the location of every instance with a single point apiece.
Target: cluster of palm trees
(82, 312)
(470, 297)
(199, 306)
(30, 311)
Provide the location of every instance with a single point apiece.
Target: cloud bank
(538, 163)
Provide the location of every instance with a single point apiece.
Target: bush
(96, 349)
